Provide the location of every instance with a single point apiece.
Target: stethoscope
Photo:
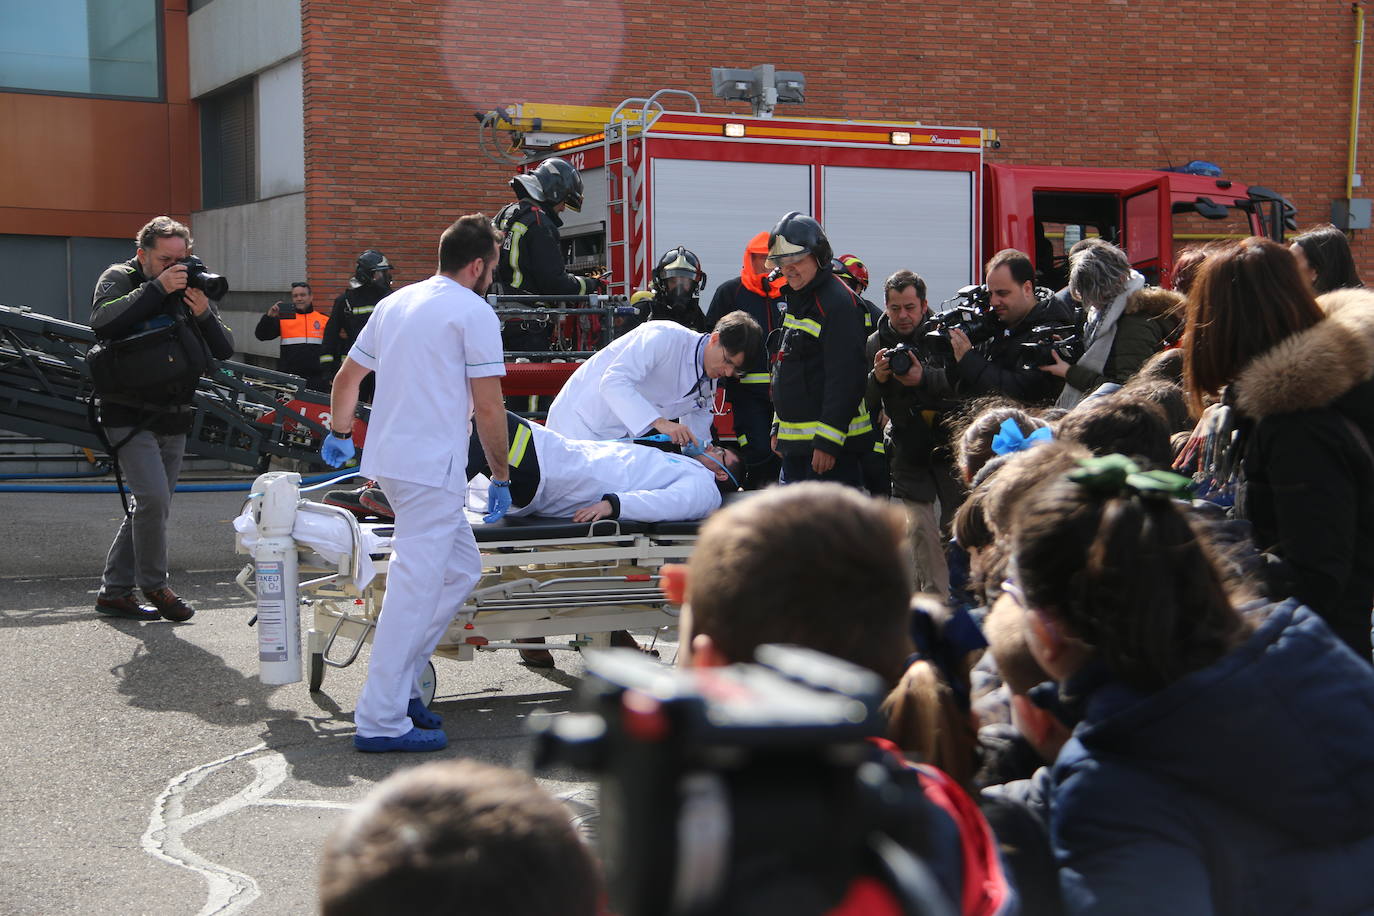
(704, 397)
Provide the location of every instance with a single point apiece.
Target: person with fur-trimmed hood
(1300, 374)
(1127, 321)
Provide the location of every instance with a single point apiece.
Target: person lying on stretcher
(583, 480)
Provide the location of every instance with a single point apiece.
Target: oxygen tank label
(272, 633)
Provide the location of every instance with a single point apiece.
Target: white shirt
(424, 342)
(653, 485)
(656, 370)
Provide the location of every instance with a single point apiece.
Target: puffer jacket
(1242, 789)
(1307, 467)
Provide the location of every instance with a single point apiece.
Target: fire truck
(897, 194)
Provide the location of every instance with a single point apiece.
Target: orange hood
(756, 282)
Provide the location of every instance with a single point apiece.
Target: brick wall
(1263, 89)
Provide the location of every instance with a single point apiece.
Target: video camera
(198, 276)
(749, 789)
(1049, 339)
(974, 316)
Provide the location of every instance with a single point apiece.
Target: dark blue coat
(1244, 788)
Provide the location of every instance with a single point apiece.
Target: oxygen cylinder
(275, 496)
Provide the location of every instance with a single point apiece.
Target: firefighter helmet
(797, 234)
(678, 278)
(853, 271)
(554, 182)
(364, 272)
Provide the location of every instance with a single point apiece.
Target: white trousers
(435, 564)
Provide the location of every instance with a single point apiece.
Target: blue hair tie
(1010, 439)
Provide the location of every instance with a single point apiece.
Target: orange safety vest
(300, 329)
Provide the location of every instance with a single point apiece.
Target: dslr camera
(973, 315)
(198, 276)
(1048, 339)
(901, 358)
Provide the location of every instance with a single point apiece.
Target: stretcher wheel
(316, 671)
(429, 681)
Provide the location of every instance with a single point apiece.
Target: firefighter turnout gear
(819, 378)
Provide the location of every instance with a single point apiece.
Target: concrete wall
(232, 39)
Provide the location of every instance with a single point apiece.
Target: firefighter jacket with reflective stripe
(734, 296)
(301, 333)
(819, 378)
(531, 260)
(352, 308)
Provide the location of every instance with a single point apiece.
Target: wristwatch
(338, 435)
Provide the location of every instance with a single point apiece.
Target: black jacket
(914, 430)
(126, 302)
(531, 257)
(688, 315)
(1308, 468)
(734, 296)
(352, 309)
(819, 379)
(994, 366)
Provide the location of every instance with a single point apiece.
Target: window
(82, 47)
(228, 147)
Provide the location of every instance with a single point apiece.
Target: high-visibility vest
(303, 328)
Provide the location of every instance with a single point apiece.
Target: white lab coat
(652, 485)
(654, 371)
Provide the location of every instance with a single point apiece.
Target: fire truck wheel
(429, 681)
(316, 671)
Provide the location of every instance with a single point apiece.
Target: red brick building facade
(1263, 89)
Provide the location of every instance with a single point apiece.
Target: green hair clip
(1117, 475)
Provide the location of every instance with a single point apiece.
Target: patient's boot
(350, 500)
(535, 658)
(375, 500)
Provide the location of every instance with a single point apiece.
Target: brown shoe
(124, 606)
(169, 605)
(535, 658)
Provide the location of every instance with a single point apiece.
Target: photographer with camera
(149, 312)
(914, 392)
(997, 363)
(301, 330)
(1127, 321)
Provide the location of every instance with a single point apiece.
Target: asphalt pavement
(148, 770)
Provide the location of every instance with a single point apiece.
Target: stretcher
(540, 577)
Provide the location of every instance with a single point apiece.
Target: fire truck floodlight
(733, 129)
(900, 138)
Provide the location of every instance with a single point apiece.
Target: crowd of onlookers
(1150, 687)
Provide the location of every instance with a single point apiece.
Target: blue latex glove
(498, 501)
(336, 451)
(692, 450)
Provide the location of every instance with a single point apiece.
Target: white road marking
(228, 891)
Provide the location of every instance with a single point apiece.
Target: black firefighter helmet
(797, 234)
(554, 182)
(365, 272)
(678, 278)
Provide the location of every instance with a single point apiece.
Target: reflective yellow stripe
(742, 439)
(517, 232)
(755, 378)
(518, 446)
(826, 431)
(878, 447)
(796, 432)
(809, 325)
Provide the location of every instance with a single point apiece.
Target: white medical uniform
(652, 485)
(656, 370)
(424, 342)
